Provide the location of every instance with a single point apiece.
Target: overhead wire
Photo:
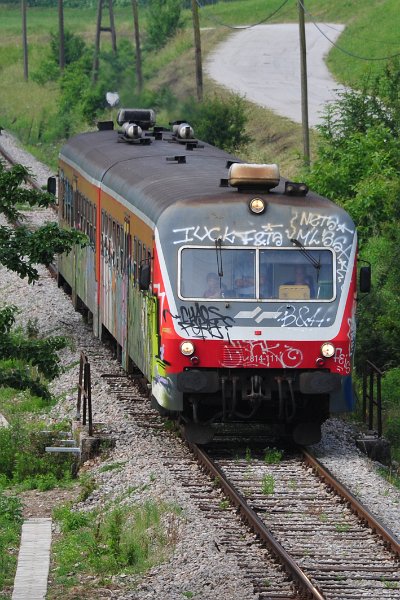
(371, 58)
(241, 27)
(388, 42)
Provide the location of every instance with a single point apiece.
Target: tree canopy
(27, 360)
(20, 248)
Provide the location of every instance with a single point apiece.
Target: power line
(215, 20)
(343, 49)
(387, 42)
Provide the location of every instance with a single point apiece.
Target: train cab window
(211, 273)
(292, 274)
(256, 274)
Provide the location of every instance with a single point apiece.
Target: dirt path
(263, 63)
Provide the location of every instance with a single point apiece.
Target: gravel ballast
(197, 566)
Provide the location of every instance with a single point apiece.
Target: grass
(117, 466)
(10, 529)
(391, 476)
(14, 403)
(129, 539)
(272, 456)
(268, 484)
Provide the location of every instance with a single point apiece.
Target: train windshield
(257, 274)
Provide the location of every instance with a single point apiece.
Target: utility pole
(139, 76)
(304, 91)
(24, 39)
(61, 35)
(99, 29)
(197, 46)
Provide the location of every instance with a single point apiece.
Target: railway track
(305, 537)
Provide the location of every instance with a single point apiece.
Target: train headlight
(327, 350)
(257, 205)
(187, 348)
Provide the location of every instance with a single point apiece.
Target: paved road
(263, 63)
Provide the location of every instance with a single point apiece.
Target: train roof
(152, 177)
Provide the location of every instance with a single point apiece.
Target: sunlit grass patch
(130, 538)
(10, 528)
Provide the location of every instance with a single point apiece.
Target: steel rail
(355, 504)
(256, 524)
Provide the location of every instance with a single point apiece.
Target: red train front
(256, 293)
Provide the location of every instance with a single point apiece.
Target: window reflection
(278, 274)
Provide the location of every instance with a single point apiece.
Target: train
(231, 289)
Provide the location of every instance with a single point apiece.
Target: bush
(163, 20)
(219, 121)
(23, 459)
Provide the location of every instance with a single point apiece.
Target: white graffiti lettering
(266, 236)
(304, 316)
(342, 361)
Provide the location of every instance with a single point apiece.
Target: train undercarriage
(294, 403)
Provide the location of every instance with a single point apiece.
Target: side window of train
(61, 190)
(120, 259)
(68, 202)
(135, 255)
(103, 242)
(113, 242)
(94, 225)
(139, 257)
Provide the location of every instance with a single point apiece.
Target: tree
(20, 248)
(26, 359)
(163, 21)
(358, 167)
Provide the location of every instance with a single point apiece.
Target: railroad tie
(33, 560)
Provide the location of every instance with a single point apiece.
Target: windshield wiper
(218, 249)
(315, 263)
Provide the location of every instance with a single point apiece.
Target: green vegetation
(358, 167)
(342, 527)
(391, 476)
(10, 528)
(24, 462)
(272, 456)
(44, 113)
(87, 485)
(117, 466)
(128, 538)
(163, 21)
(268, 484)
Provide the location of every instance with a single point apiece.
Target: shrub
(23, 459)
(163, 20)
(219, 121)
(74, 50)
